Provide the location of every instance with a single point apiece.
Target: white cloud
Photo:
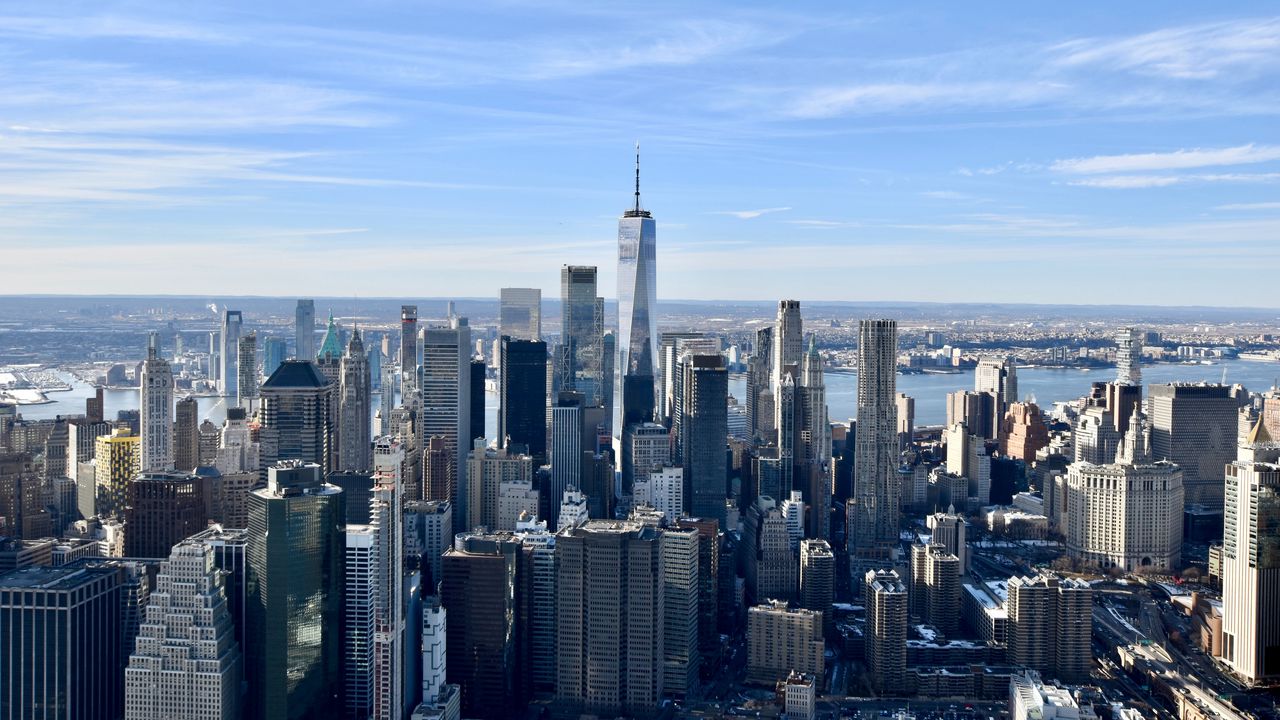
(1177, 160)
(750, 214)
(1249, 206)
(891, 97)
(1192, 52)
(1126, 182)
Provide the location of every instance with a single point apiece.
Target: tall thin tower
(156, 422)
(637, 310)
(1128, 357)
(229, 352)
(408, 356)
(304, 329)
(355, 451)
(876, 489)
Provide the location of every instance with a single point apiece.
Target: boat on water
(1273, 356)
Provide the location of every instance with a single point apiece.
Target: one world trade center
(637, 306)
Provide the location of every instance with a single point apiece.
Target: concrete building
(817, 577)
(186, 435)
(186, 662)
(1125, 515)
(1050, 625)
(1024, 432)
(428, 532)
(355, 402)
(156, 414)
(799, 696)
(1129, 357)
(949, 529)
(645, 447)
(163, 508)
(1195, 426)
(487, 470)
(999, 377)
(1251, 560)
(518, 501)
(358, 610)
(935, 587)
(663, 490)
(885, 644)
(781, 640)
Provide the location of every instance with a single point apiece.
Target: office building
(186, 662)
(874, 533)
(782, 639)
(480, 589)
(1126, 514)
(1023, 433)
(186, 434)
(704, 430)
(297, 402)
(522, 396)
(355, 399)
(520, 314)
(567, 448)
(1050, 625)
(885, 644)
(637, 311)
(23, 513)
(670, 346)
(434, 648)
(428, 532)
(580, 357)
(663, 490)
(799, 696)
(229, 353)
(162, 509)
(518, 501)
(1195, 426)
(788, 343)
(295, 578)
(53, 620)
(446, 402)
(540, 546)
(645, 447)
(1251, 560)
(358, 601)
(627, 615)
(247, 367)
(229, 556)
(1032, 699)
(117, 458)
(274, 352)
(488, 470)
(156, 414)
(998, 377)
(390, 584)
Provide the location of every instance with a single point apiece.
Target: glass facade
(637, 310)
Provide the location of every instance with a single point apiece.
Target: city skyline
(866, 139)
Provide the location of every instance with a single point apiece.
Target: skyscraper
(354, 400)
(817, 577)
(274, 352)
(1050, 627)
(565, 453)
(116, 461)
(520, 313)
(705, 426)
(445, 404)
(637, 310)
(162, 509)
(295, 583)
(1195, 426)
(1128, 357)
(61, 646)
(409, 356)
(247, 367)
(876, 488)
(360, 562)
(186, 435)
(788, 347)
(229, 353)
(157, 411)
(304, 330)
(1251, 560)
(885, 646)
(998, 376)
(186, 663)
(522, 396)
(580, 357)
(297, 415)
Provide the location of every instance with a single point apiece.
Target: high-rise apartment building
(520, 314)
(295, 574)
(876, 489)
(935, 587)
(61, 646)
(885, 645)
(297, 415)
(1129, 357)
(156, 414)
(948, 530)
(247, 367)
(817, 577)
(705, 429)
(355, 399)
(1050, 625)
(409, 356)
(637, 311)
(117, 458)
(1195, 426)
(304, 331)
(781, 639)
(186, 662)
(229, 353)
(360, 564)
(1251, 560)
(522, 396)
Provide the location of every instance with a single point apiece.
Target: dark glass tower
(522, 397)
(705, 425)
(295, 590)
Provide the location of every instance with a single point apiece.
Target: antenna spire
(637, 176)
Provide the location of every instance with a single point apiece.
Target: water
(1045, 384)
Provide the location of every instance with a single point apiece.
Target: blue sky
(1015, 152)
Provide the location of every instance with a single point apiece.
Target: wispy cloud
(1176, 160)
(1249, 206)
(750, 214)
(823, 224)
(950, 195)
(1193, 52)
(1129, 182)
(872, 98)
